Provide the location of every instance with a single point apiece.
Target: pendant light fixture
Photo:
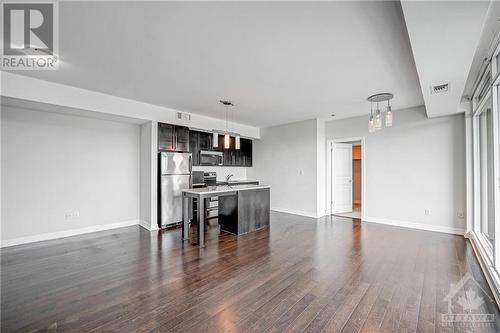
(236, 135)
(237, 142)
(388, 115)
(376, 120)
(371, 122)
(226, 133)
(215, 139)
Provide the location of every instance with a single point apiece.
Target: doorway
(346, 177)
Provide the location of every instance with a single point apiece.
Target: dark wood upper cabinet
(199, 141)
(246, 152)
(230, 153)
(220, 146)
(166, 139)
(238, 157)
(194, 148)
(205, 141)
(181, 139)
(173, 138)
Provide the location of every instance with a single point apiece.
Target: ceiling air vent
(440, 89)
(183, 116)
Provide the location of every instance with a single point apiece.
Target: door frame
(329, 171)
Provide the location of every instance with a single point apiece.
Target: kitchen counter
(242, 208)
(220, 189)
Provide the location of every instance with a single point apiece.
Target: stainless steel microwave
(208, 157)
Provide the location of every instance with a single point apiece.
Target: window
(485, 172)
(483, 169)
(485, 166)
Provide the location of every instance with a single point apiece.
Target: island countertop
(242, 208)
(220, 189)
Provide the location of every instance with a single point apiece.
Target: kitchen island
(242, 208)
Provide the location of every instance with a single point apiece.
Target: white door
(342, 178)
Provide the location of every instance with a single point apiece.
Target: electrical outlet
(72, 215)
(460, 215)
(427, 211)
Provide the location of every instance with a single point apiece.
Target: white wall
(321, 149)
(55, 164)
(148, 175)
(417, 164)
(285, 158)
(31, 89)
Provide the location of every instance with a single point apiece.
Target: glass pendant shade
(237, 142)
(226, 141)
(215, 140)
(371, 125)
(388, 117)
(378, 120)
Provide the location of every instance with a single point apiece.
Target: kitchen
(185, 189)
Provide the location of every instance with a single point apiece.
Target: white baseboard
(147, 225)
(66, 233)
(413, 225)
(294, 211)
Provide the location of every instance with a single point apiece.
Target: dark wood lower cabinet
(228, 213)
(245, 211)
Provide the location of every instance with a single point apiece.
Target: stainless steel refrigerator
(175, 175)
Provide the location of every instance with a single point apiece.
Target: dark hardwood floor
(302, 274)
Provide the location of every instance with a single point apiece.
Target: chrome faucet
(227, 177)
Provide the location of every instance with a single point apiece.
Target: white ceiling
(279, 62)
(444, 36)
(486, 46)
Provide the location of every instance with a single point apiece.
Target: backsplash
(240, 173)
